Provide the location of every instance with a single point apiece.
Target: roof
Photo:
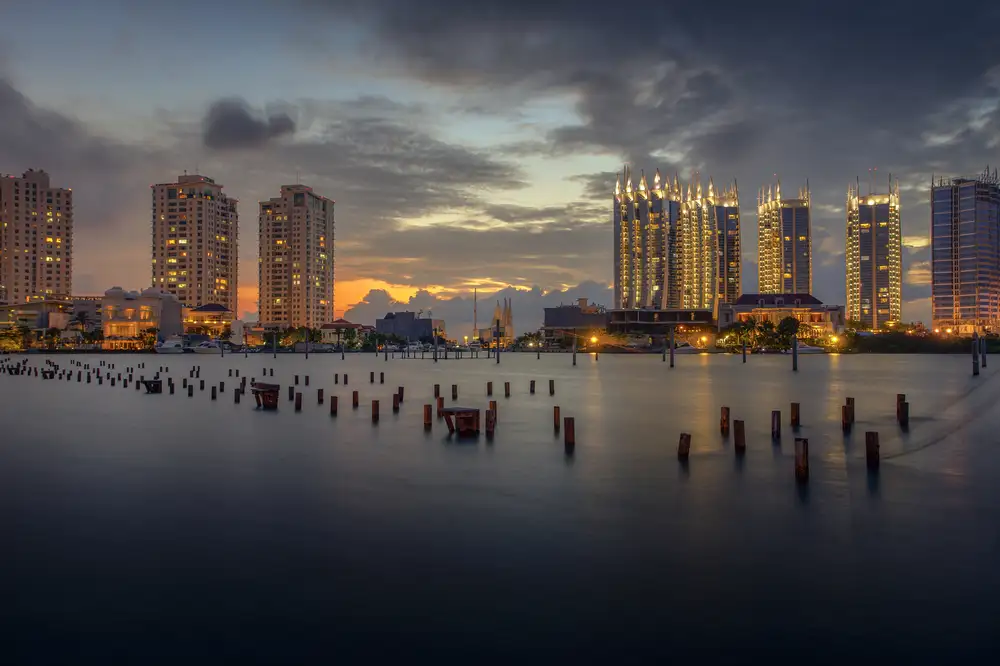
(340, 323)
(771, 299)
(210, 307)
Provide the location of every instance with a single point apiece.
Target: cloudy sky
(475, 144)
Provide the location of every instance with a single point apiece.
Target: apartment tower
(965, 253)
(195, 242)
(784, 242)
(296, 258)
(36, 238)
(675, 247)
(873, 256)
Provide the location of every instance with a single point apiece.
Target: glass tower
(965, 253)
(675, 247)
(873, 256)
(784, 242)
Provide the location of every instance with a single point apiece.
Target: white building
(296, 269)
(36, 238)
(127, 315)
(195, 250)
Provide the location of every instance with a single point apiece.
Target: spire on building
(642, 180)
(656, 180)
(618, 186)
(711, 187)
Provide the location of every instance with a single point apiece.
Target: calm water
(161, 528)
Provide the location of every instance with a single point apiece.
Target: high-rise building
(965, 253)
(195, 242)
(296, 258)
(784, 242)
(675, 247)
(36, 238)
(873, 256)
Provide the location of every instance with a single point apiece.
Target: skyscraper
(784, 242)
(965, 253)
(873, 256)
(296, 258)
(675, 247)
(36, 238)
(195, 242)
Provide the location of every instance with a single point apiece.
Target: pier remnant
(684, 446)
(776, 425)
(801, 459)
(872, 450)
(739, 437)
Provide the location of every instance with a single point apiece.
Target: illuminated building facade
(296, 268)
(675, 247)
(965, 253)
(195, 242)
(784, 242)
(36, 238)
(873, 256)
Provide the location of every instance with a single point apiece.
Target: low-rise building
(126, 316)
(566, 321)
(210, 319)
(337, 332)
(37, 314)
(813, 315)
(408, 326)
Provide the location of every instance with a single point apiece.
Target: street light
(834, 339)
(593, 339)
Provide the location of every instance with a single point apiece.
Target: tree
(148, 338)
(227, 332)
(27, 337)
(787, 329)
(51, 337)
(82, 319)
(350, 337)
(766, 335)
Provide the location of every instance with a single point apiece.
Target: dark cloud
(231, 123)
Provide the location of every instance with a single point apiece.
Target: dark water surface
(166, 529)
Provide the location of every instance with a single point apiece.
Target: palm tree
(788, 328)
(82, 319)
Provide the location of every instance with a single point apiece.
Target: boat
(207, 347)
(809, 349)
(170, 346)
(685, 348)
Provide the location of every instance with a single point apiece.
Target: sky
(474, 145)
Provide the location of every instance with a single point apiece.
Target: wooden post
(845, 418)
(739, 436)
(336, 378)
(319, 396)
(354, 400)
(374, 411)
(531, 387)
(400, 392)
(724, 421)
(222, 387)
(776, 425)
(296, 380)
(555, 417)
(371, 377)
(437, 390)
(795, 354)
(850, 409)
(744, 351)
(202, 386)
(872, 450)
(190, 388)
(493, 406)
(427, 417)
(684, 446)
(552, 387)
(801, 459)
(213, 391)
(236, 394)
(904, 415)
(975, 354)
(672, 363)
(454, 391)
(395, 402)
(900, 399)
(345, 379)
(307, 379)
(333, 405)
(381, 378)
(298, 402)
(291, 393)
(491, 422)
(795, 415)
(440, 406)
(982, 350)
(569, 433)
(489, 388)
(506, 389)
